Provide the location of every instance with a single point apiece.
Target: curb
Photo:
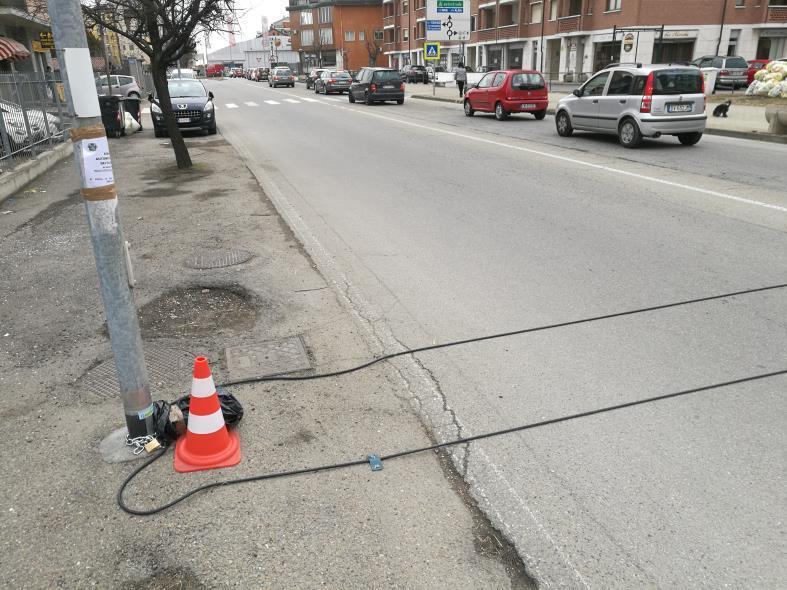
(753, 135)
(14, 180)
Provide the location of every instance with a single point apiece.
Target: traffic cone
(207, 444)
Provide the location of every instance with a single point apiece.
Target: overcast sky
(249, 15)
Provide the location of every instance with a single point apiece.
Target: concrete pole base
(113, 448)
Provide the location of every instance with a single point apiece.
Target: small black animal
(721, 109)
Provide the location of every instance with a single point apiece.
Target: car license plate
(528, 105)
(678, 107)
(184, 120)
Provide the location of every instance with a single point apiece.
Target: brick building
(346, 34)
(569, 39)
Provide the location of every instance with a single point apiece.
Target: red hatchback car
(508, 91)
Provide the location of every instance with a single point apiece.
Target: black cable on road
(459, 441)
(392, 355)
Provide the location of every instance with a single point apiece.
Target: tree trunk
(182, 156)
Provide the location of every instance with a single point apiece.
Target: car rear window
(677, 82)
(283, 72)
(736, 62)
(527, 81)
(386, 76)
(342, 75)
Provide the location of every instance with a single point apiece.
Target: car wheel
(133, 95)
(500, 112)
(399, 101)
(350, 97)
(629, 134)
(689, 138)
(368, 99)
(539, 115)
(316, 90)
(563, 124)
(469, 112)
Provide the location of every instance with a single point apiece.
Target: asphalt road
(438, 227)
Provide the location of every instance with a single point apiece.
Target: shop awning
(11, 50)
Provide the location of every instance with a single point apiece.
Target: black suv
(377, 85)
(411, 73)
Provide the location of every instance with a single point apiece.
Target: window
(613, 5)
(378, 35)
(486, 81)
(125, 80)
(740, 3)
(405, 7)
(553, 10)
(527, 81)
(536, 12)
(326, 36)
(677, 82)
(307, 37)
(473, 23)
(349, 35)
(306, 17)
(498, 81)
(595, 86)
(361, 35)
(326, 14)
(405, 34)
(620, 83)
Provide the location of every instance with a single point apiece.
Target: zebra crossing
(269, 102)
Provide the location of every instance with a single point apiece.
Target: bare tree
(165, 31)
(373, 48)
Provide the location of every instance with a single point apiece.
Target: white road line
(310, 99)
(272, 102)
(146, 111)
(332, 98)
(695, 189)
(292, 100)
(231, 105)
(251, 104)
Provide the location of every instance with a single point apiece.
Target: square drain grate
(262, 359)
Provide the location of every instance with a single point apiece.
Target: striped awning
(11, 50)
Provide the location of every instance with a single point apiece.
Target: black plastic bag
(230, 407)
(167, 430)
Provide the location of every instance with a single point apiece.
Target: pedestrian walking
(460, 75)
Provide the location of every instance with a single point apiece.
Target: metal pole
(106, 60)
(721, 27)
(91, 154)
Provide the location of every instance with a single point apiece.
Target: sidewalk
(411, 525)
(744, 121)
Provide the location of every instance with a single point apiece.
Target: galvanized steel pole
(91, 153)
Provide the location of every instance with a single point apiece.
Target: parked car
(121, 86)
(755, 65)
(414, 74)
(262, 74)
(185, 73)
(508, 91)
(281, 77)
(312, 76)
(333, 81)
(192, 105)
(14, 123)
(430, 71)
(214, 70)
(732, 69)
(484, 69)
(633, 103)
(377, 85)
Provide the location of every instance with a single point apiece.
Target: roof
(321, 3)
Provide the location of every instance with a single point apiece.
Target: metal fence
(33, 116)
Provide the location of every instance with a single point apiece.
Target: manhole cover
(263, 359)
(217, 258)
(169, 372)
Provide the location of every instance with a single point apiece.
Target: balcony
(568, 24)
(388, 21)
(486, 34)
(777, 14)
(508, 31)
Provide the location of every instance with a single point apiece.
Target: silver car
(121, 86)
(634, 102)
(733, 70)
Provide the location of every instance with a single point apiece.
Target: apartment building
(569, 39)
(346, 34)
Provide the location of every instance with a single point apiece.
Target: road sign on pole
(447, 20)
(432, 50)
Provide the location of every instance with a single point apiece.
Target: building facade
(346, 34)
(570, 39)
(22, 21)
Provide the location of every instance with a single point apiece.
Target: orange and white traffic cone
(207, 444)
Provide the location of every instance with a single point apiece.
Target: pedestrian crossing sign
(431, 50)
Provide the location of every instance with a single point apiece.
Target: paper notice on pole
(95, 163)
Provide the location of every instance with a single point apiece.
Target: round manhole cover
(217, 258)
(169, 372)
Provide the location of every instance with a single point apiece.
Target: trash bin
(134, 107)
(710, 74)
(112, 114)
